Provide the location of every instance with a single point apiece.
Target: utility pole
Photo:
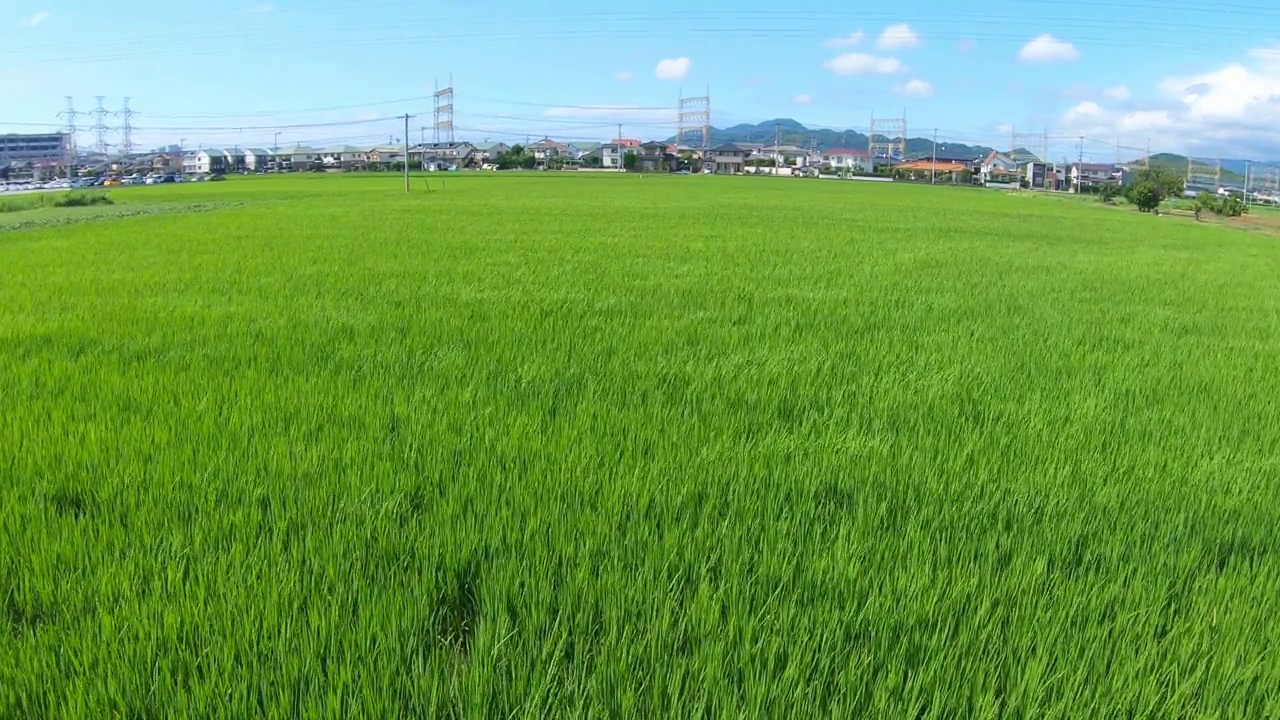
(1146, 161)
(406, 152)
(1080, 166)
(621, 165)
(777, 148)
(1246, 183)
(933, 167)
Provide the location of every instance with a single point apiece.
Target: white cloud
(1047, 49)
(898, 36)
(1144, 120)
(1119, 93)
(259, 9)
(1004, 128)
(1229, 111)
(801, 100)
(36, 20)
(864, 64)
(623, 76)
(915, 88)
(849, 40)
(1082, 111)
(673, 68)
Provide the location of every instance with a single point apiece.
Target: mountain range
(792, 132)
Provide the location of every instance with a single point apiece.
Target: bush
(1232, 206)
(1143, 195)
(73, 199)
(1108, 193)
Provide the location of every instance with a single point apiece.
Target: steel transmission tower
(694, 115)
(100, 126)
(126, 129)
(887, 138)
(70, 116)
(444, 112)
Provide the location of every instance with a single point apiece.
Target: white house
(257, 159)
(343, 156)
(612, 154)
(1084, 175)
(300, 157)
(210, 161)
(998, 167)
(848, 159)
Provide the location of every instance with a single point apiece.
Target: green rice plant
(564, 446)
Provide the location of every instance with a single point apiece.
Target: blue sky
(1185, 76)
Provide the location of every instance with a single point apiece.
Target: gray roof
(256, 151)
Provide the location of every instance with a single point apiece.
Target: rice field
(560, 446)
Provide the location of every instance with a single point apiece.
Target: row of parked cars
(113, 181)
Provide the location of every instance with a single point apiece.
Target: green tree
(1205, 203)
(629, 161)
(1166, 183)
(1144, 195)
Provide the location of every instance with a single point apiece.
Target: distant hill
(791, 132)
(1232, 170)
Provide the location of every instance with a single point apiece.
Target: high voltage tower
(444, 112)
(694, 115)
(100, 126)
(1016, 137)
(887, 136)
(126, 128)
(70, 116)
(1204, 175)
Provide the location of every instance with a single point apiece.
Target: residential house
(626, 143)
(1083, 175)
(235, 159)
(652, 157)
(189, 162)
(942, 171)
(726, 159)
(210, 161)
(546, 149)
(998, 168)
(788, 155)
(488, 152)
(581, 149)
(848, 159)
(1043, 176)
(613, 155)
(455, 154)
(299, 158)
(387, 155)
(166, 163)
(257, 159)
(346, 157)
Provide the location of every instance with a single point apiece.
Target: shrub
(73, 199)
(1108, 193)
(1143, 195)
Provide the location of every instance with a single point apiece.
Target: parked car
(217, 178)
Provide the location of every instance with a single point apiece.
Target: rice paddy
(624, 446)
